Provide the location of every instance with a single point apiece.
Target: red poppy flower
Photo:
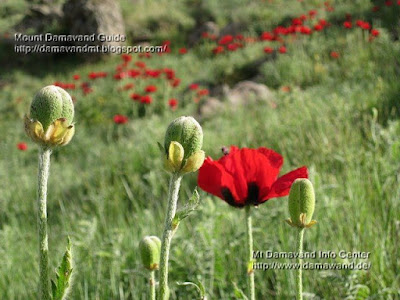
(218, 49)
(375, 32)
(169, 73)
(173, 103)
(268, 50)
(267, 36)
(318, 27)
(205, 35)
(305, 30)
(388, 3)
(182, 50)
(126, 58)
(239, 37)
(135, 96)
(297, 22)
(282, 49)
(152, 73)
(140, 64)
(347, 24)
(146, 99)
(120, 119)
(375, 8)
(193, 86)
(226, 39)
(312, 13)
(335, 54)
(176, 82)
(203, 92)
(133, 73)
(128, 86)
(22, 146)
(92, 75)
(247, 176)
(232, 47)
(76, 77)
(398, 2)
(150, 89)
(120, 75)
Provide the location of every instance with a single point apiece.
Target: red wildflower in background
(305, 30)
(76, 77)
(268, 50)
(335, 54)
(226, 39)
(247, 176)
(267, 36)
(183, 51)
(133, 73)
(169, 73)
(375, 32)
(388, 3)
(176, 82)
(150, 89)
(128, 86)
(120, 119)
(232, 47)
(347, 24)
(140, 64)
(152, 73)
(193, 86)
(22, 146)
(218, 49)
(126, 58)
(120, 75)
(135, 97)
(146, 99)
(282, 49)
(173, 103)
(203, 92)
(318, 27)
(375, 8)
(312, 13)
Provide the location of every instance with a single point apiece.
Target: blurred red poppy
(203, 92)
(247, 176)
(388, 3)
(135, 97)
(282, 49)
(218, 49)
(76, 77)
(335, 54)
(120, 119)
(347, 24)
(176, 82)
(226, 39)
(375, 32)
(22, 146)
(173, 103)
(375, 8)
(150, 89)
(128, 86)
(318, 27)
(193, 86)
(140, 64)
(183, 51)
(268, 50)
(126, 58)
(146, 99)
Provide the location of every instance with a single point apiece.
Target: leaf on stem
(187, 209)
(63, 275)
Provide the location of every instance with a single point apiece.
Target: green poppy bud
(51, 115)
(182, 144)
(150, 248)
(187, 132)
(301, 203)
(52, 103)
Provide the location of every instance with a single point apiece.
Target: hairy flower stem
(152, 283)
(173, 192)
(250, 248)
(43, 175)
(299, 283)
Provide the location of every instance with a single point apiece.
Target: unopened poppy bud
(301, 203)
(182, 144)
(150, 248)
(50, 119)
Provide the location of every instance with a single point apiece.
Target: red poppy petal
(213, 179)
(281, 186)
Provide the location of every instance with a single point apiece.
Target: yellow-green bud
(52, 103)
(182, 145)
(301, 203)
(150, 248)
(50, 121)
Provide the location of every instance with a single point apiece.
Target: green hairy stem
(43, 175)
(174, 185)
(299, 283)
(250, 253)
